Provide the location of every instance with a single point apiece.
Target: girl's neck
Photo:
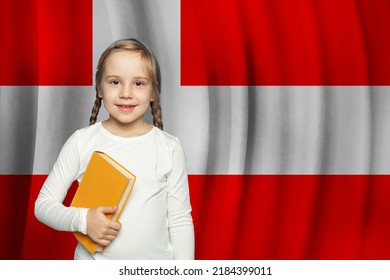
(126, 130)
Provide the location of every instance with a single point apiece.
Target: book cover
(105, 183)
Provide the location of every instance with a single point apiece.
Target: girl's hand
(99, 228)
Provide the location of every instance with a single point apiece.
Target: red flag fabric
(45, 43)
(282, 42)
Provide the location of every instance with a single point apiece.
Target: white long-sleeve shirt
(156, 221)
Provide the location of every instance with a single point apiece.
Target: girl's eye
(115, 82)
(139, 83)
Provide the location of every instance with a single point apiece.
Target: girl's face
(127, 92)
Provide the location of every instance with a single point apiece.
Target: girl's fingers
(111, 232)
(104, 242)
(106, 239)
(116, 225)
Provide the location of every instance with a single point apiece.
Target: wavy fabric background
(285, 129)
(285, 42)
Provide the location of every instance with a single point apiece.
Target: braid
(95, 110)
(156, 113)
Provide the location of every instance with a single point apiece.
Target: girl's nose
(127, 92)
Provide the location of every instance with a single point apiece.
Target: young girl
(156, 222)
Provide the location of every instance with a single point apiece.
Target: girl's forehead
(124, 61)
(123, 55)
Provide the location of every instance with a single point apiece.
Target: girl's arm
(48, 206)
(181, 227)
(50, 210)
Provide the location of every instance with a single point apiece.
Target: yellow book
(105, 183)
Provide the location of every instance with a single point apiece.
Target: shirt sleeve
(49, 208)
(181, 227)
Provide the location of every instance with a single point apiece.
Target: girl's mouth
(126, 108)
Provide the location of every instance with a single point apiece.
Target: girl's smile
(126, 108)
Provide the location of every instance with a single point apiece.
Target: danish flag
(282, 108)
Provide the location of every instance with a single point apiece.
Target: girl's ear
(153, 97)
(99, 92)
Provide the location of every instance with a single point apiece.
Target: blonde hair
(152, 69)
